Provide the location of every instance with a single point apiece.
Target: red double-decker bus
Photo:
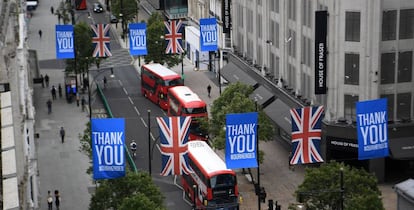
(80, 4)
(156, 79)
(216, 186)
(182, 101)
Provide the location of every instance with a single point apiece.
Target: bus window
(223, 180)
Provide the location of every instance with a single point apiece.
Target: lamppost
(259, 189)
(149, 141)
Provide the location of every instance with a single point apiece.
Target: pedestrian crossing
(120, 57)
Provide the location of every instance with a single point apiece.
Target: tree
(235, 99)
(124, 193)
(128, 9)
(156, 43)
(321, 188)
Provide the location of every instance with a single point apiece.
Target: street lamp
(342, 188)
(149, 141)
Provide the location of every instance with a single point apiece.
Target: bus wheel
(145, 95)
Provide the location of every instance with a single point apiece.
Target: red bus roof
(161, 71)
(206, 159)
(187, 97)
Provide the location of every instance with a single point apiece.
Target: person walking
(60, 91)
(49, 106)
(83, 102)
(62, 134)
(104, 80)
(51, 10)
(40, 33)
(47, 80)
(77, 98)
(57, 199)
(43, 80)
(49, 200)
(209, 90)
(53, 92)
(291, 167)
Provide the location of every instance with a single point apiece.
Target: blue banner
(208, 34)
(108, 139)
(65, 42)
(241, 137)
(372, 129)
(138, 39)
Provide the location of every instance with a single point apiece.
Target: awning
(234, 74)
(402, 148)
(263, 96)
(279, 112)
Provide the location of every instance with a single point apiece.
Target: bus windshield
(195, 110)
(222, 180)
(174, 82)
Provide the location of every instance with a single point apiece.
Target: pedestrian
(47, 80)
(291, 167)
(83, 102)
(77, 98)
(49, 200)
(43, 80)
(51, 9)
(57, 199)
(49, 106)
(40, 33)
(104, 80)
(59, 17)
(60, 91)
(53, 92)
(62, 134)
(209, 90)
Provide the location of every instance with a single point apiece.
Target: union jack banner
(174, 151)
(306, 135)
(101, 40)
(173, 36)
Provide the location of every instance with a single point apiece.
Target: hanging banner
(321, 20)
(208, 34)
(138, 39)
(65, 44)
(226, 15)
(241, 137)
(108, 139)
(372, 125)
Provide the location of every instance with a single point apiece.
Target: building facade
(370, 48)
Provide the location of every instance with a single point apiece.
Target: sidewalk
(61, 166)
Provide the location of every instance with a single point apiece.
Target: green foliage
(86, 145)
(321, 188)
(235, 99)
(156, 43)
(129, 9)
(129, 191)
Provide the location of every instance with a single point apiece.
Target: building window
(259, 25)
(405, 63)
(389, 25)
(259, 55)
(352, 26)
(387, 68)
(390, 105)
(352, 69)
(249, 21)
(292, 9)
(241, 16)
(407, 24)
(274, 33)
(403, 106)
(350, 106)
(274, 6)
(291, 43)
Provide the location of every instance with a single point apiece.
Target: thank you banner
(372, 129)
(65, 44)
(208, 34)
(138, 39)
(241, 137)
(108, 139)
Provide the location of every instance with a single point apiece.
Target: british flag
(173, 138)
(101, 40)
(173, 36)
(306, 135)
